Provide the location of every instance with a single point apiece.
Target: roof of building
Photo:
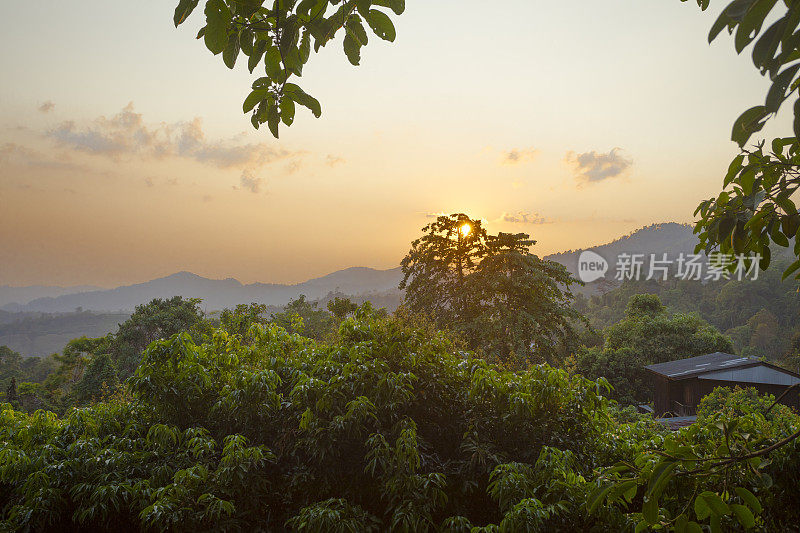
(760, 373)
(687, 368)
(677, 422)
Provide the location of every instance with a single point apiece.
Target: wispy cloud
(518, 155)
(293, 166)
(249, 182)
(46, 107)
(127, 134)
(592, 167)
(523, 217)
(13, 153)
(333, 160)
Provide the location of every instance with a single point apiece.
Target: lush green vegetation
(36, 334)
(761, 317)
(388, 426)
(648, 334)
(490, 290)
(469, 409)
(346, 418)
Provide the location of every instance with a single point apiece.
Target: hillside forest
(498, 396)
(492, 399)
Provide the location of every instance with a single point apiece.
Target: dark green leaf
(744, 515)
(777, 93)
(304, 99)
(287, 111)
(748, 123)
(381, 25)
(748, 497)
(184, 9)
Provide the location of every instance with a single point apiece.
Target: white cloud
(333, 160)
(592, 167)
(517, 155)
(249, 182)
(127, 134)
(523, 217)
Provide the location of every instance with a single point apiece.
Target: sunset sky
(124, 154)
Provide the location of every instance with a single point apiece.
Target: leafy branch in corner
(281, 37)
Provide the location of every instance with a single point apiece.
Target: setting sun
(465, 230)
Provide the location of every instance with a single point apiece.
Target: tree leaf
(744, 515)
(352, 49)
(596, 497)
(287, 110)
(777, 93)
(381, 25)
(748, 497)
(748, 123)
(650, 510)
(709, 503)
(217, 18)
(253, 99)
(231, 51)
(184, 9)
(304, 99)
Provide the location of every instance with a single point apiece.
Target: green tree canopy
(280, 35)
(304, 317)
(389, 427)
(341, 308)
(158, 319)
(660, 336)
(648, 334)
(488, 288)
(755, 211)
(10, 366)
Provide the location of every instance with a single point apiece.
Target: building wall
(706, 386)
(661, 395)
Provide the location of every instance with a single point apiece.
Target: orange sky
(124, 154)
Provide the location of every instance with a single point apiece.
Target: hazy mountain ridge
(216, 294)
(23, 295)
(42, 334)
(670, 237)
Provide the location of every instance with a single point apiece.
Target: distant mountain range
(216, 294)
(23, 295)
(669, 237)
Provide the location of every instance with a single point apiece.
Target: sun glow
(465, 230)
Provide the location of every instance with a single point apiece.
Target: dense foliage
(489, 289)
(90, 369)
(648, 334)
(388, 428)
(281, 36)
(761, 317)
(755, 212)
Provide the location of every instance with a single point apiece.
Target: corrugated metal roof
(677, 422)
(753, 374)
(686, 368)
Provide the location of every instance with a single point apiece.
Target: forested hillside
(648, 384)
(41, 334)
(761, 317)
(482, 402)
(216, 294)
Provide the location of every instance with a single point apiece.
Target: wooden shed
(680, 385)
